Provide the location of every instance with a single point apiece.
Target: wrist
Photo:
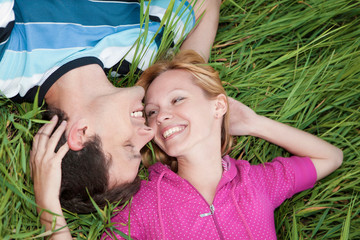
(47, 210)
(257, 125)
(53, 220)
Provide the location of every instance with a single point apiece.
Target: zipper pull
(212, 210)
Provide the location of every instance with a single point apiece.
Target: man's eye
(129, 146)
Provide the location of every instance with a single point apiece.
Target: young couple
(63, 50)
(65, 53)
(198, 191)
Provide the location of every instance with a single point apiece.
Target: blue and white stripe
(50, 33)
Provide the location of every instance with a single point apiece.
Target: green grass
(294, 61)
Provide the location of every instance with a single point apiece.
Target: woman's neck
(203, 171)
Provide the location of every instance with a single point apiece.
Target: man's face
(117, 118)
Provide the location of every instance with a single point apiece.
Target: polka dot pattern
(244, 204)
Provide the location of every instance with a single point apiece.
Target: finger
(44, 135)
(55, 137)
(49, 127)
(36, 138)
(40, 140)
(57, 159)
(30, 162)
(62, 151)
(35, 146)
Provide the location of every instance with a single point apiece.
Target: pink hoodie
(169, 207)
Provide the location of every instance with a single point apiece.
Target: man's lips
(137, 114)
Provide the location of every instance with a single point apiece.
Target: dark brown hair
(85, 173)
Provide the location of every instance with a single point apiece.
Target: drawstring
(239, 211)
(159, 206)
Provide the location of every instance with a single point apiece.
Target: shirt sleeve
(182, 18)
(284, 177)
(7, 21)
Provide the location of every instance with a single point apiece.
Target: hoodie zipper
(217, 225)
(212, 210)
(211, 213)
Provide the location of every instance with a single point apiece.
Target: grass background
(297, 62)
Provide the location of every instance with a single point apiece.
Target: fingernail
(63, 122)
(54, 117)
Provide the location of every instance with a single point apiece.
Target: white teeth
(171, 131)
(136, 114)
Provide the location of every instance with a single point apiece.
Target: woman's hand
(45, 167)
(241, 118)
(244, 121)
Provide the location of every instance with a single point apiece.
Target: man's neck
(77, 87)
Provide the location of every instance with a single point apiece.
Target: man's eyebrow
(135, 156)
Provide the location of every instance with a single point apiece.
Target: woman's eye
(150, 113)
(178, 99)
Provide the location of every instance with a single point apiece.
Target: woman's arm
(202, 37)
(46, 174)
(244, 121)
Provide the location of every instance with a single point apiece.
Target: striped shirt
(43, 39)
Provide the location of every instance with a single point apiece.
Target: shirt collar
(229, 172)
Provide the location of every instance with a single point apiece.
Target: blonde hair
(205, 77)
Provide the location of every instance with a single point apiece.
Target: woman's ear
(221, 105)
(77, 135)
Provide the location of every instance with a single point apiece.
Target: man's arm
(46, 173)
(202, 37)
(244, 121)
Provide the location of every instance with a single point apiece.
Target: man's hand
(45, 167)
(45, 163)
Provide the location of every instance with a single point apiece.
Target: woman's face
(180, 114)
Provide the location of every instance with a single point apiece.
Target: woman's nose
(163, 116)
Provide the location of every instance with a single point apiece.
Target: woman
(208, 196)
(205, 195)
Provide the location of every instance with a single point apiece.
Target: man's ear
(77, 135)
(220, 105)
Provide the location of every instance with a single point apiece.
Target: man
(61, 49)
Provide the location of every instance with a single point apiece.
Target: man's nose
(142, 136)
